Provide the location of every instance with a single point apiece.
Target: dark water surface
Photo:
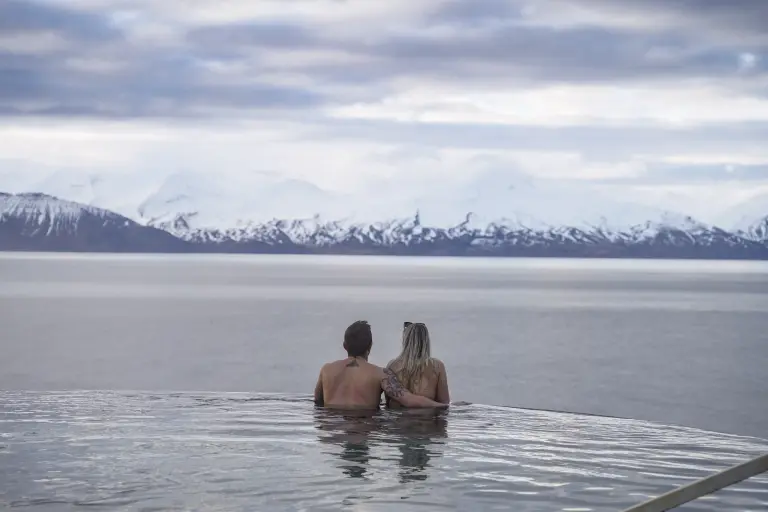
(676, 343)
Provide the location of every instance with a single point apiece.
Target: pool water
(239, 451)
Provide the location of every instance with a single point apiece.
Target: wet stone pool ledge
(238, 451)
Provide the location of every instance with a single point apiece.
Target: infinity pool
(236, 451)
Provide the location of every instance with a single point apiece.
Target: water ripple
(180, 451)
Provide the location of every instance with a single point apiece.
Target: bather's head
(358, 339)
(416, 343)
(415, 358)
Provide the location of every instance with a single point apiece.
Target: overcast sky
(659, 100)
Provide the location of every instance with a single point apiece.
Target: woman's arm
(443, 396)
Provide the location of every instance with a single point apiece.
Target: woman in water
(417, 370)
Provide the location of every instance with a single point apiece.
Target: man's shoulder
(331, 364)
(373, 371)
(377, 369)
(345, 362)
(336, 366)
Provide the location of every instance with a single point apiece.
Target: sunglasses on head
(407, 324)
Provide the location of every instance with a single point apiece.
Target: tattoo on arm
(391, 385)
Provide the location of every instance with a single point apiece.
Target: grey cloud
(739, 15)
(149, 85)
(19, 80)
(27, 15)
(536, 53)
(603, 51)
(259, 35)
(477, 11)
(591, 53)
(169, 80)
(149, 81)
(511, 54)
(503, 53)
(150, 99)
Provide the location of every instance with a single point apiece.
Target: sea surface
(182, 382)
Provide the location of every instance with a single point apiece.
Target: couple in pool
(413, 379)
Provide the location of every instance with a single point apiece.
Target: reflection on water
(350, 431)
(416, 434)
(420, 438)
(143, 451)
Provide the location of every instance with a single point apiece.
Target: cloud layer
(662, 93)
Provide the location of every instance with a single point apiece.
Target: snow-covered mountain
(488, 213)
(210, 201)
(756, 231)
(492, 213)
(37, 222)
(41, 222)
(222, 202)
(749, 219)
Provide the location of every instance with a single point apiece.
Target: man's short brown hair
(358, 339)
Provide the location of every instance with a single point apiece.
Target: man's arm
(319, 390)
(394, 389)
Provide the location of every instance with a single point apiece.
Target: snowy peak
(212, 202)
(28, 203)
(757, 231)
(33, 221)
(744, 217)
(42, 213)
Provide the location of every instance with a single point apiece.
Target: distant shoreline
(310, 252)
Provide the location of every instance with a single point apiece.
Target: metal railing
(705, 486)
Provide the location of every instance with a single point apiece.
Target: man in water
(354, 383)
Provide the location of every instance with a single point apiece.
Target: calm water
(679, 343)
(245, 452)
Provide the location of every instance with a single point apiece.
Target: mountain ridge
(39, 222)
(35, 221)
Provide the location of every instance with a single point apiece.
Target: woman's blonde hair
(415, 358)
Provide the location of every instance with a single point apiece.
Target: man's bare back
(354, 383)
(350, 382)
